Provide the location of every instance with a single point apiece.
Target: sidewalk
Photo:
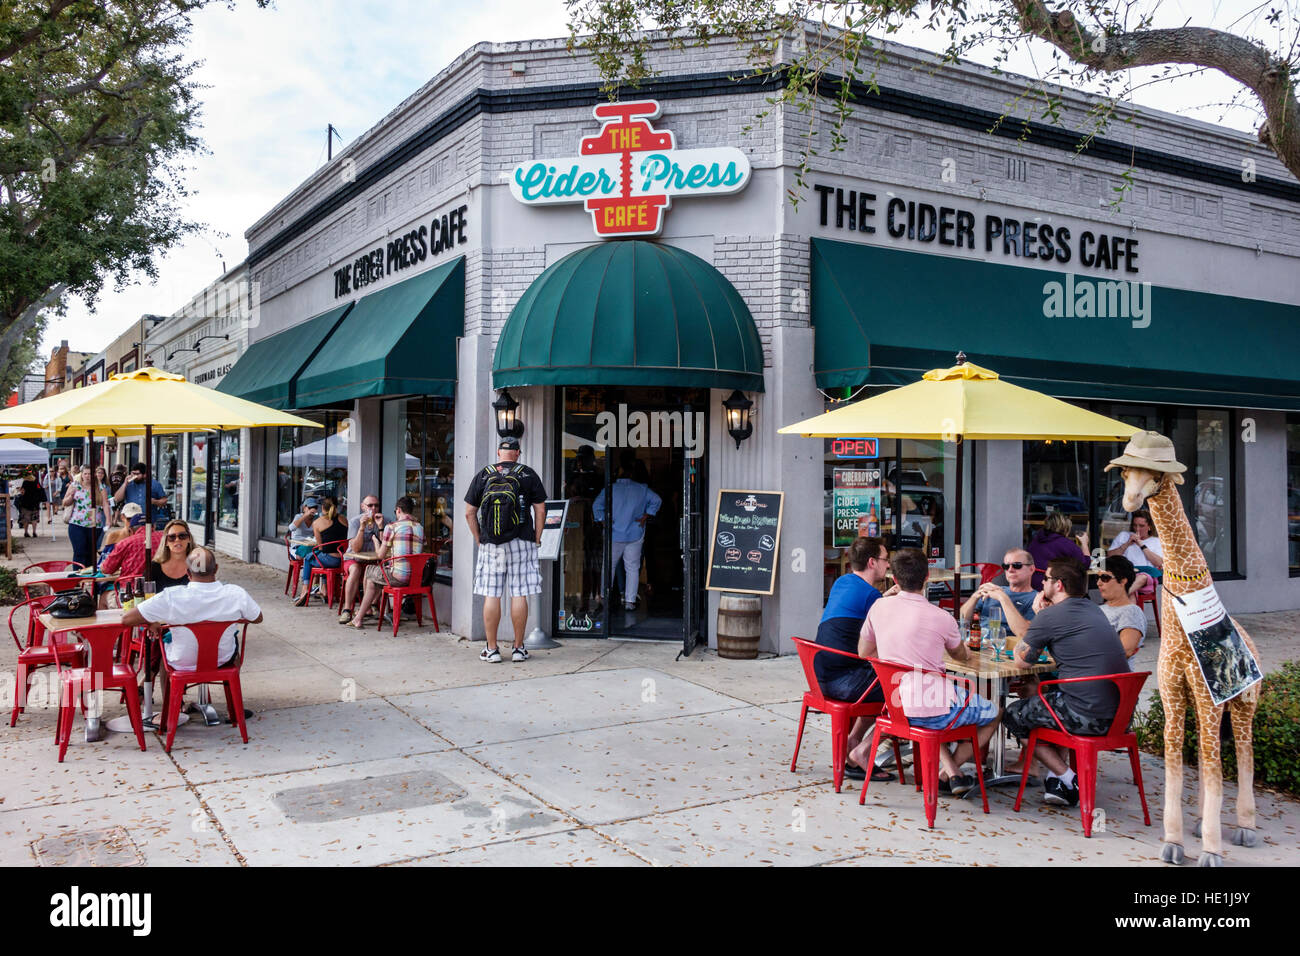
(373, 749)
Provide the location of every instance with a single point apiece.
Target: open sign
(855, 447)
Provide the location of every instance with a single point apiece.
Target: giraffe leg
(1242, 713)
(1171, 695)
(1209, 723)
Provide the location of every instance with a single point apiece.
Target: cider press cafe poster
(855, 504)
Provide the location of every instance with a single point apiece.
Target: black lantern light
(739, 425)
(508, 423)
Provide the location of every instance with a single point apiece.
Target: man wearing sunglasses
(1016, 600)
(364, 532)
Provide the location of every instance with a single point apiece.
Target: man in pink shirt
(908, 629)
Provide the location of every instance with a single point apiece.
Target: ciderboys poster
(628, 174)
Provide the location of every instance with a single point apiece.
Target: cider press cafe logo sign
(628, 174)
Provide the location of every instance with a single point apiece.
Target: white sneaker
(518, 654)
(490, 654)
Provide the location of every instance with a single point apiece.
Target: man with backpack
(505, 507)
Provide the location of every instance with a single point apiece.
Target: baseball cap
(137, 519)
(311, 502)
(511, 443)
(131, 509)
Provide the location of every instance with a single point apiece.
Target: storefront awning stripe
(397, 341)
(630, 312)
(881, 316)
(267, 369)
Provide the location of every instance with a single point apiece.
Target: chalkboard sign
(746, 539)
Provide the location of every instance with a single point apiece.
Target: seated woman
(1053, 540)
(1125, 617)
(168, 568)
(328, 529)
(1141, 546)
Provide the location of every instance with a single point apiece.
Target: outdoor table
(364, 557)
(58, 577)
(992, 678)
(55, 625)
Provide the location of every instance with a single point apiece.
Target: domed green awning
(630, 312)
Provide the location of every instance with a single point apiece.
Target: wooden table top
(361, 555)
(45, 577)
(54, 624)
(984, 666)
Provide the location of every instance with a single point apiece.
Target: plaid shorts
(514, 562)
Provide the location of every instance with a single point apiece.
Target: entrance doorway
(616, 576)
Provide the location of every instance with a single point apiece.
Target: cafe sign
(628, 175)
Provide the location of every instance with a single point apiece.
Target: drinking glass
(999, 641)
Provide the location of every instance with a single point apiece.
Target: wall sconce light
(739, 423)
(508, 423)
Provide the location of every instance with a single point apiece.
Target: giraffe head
(1141, 483)
(1147, 463)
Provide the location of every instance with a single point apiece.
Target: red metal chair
(295, 568)
(33, 650)
(333, 576)
(208, 635)
(1085, 749)
(987, 573)
(49, 567)
(413, 589)
(925, 753)
(842, 713)
(101, 672)
(1150, 596)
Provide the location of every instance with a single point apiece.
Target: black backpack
(501, 509)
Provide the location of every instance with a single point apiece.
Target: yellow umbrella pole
(148, 494)
(956, 539)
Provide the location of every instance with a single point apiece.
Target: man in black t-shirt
(1081, 641)
(512, 556)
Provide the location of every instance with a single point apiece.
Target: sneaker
(519, 654)
(345, 617)
(1058, 794)
(962, 783)
(490, 654)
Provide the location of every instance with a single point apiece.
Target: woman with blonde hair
(1053, 541)
(168, 568)
(330, 532)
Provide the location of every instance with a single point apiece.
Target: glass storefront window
(167, 469)
(228, 468)
(306, 462)
(199, 444)
(1293, 492)
(419, 460)
(582, 569)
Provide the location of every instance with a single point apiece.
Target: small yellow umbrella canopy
(959, 403)
(142, 402)
(965, 401)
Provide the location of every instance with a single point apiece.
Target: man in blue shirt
(633, 504)
(842, 678)
(133, 491)
(1015, 602)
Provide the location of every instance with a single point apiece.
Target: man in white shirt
(203, 599)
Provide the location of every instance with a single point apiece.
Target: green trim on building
(630, 312)
(883, 316)
(396, 341)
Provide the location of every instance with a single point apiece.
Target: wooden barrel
(740, 625)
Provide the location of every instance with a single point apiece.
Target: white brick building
(852, 287)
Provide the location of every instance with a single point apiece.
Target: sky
(275, 78)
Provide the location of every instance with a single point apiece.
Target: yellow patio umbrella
(957, 404)
(142, 402)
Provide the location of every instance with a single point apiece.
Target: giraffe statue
(1150, 474)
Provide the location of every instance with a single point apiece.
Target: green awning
(398, 341)
(630, 312)
(267, 369)
(884, 316)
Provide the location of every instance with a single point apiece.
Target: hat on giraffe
(1149, 450)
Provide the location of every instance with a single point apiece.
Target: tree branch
(18, 328)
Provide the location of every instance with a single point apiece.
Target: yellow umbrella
(959, 403)
(142, 402)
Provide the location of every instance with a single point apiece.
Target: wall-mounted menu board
(746, 538)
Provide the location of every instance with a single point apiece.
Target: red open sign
(855, 447)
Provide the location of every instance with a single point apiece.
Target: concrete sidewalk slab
(571, 848)
(301, 738)
(520, 710)
(33, 777)
(467, 806)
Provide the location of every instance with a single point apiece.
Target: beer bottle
(975, 639)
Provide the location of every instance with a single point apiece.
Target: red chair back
(207, 635)
(891, 676)
(1129, 685)
(49, 567)
(101, 642)
(35, 630)
(807, 651)
(417, 561)
(987, 571)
